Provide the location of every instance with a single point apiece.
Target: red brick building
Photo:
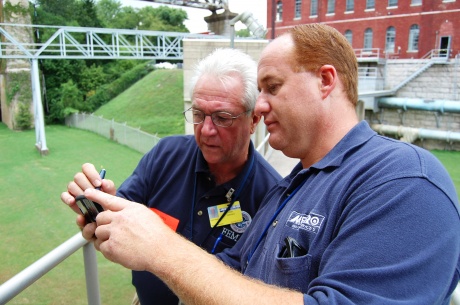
(396, 28)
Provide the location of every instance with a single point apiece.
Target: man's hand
(127, 233)
(88, 178)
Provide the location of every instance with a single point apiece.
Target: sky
(196, 23)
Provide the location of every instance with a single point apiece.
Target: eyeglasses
(219, 118)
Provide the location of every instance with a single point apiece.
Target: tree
(107, 11)
(243, 33)
(172, 18)
(86, 14)
(56, 12)
(92, 78)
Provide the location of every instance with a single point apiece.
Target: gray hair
(224, 63)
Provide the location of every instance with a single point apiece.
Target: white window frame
(279, 11)
(350, 6)
(368, 39)
(390, 40)
(298, 9)
(414, 34)
(314, 8)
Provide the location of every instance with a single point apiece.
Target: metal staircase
(436, 56)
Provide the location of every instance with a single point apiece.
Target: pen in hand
(102, 176)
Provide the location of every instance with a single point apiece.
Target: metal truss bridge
(17, 42)
(90, 43)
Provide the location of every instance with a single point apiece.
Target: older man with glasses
(207, 187)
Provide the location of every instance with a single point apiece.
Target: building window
(368, 39)
(350, 6)
(392, 3)
(370, 4)
(314, 8)
(279, 11)
(298, 9)
(416, 2)
(330, 6)
(390, 40)
(349, 36)
(413, 37)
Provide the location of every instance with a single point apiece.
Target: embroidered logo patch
(311, 222)
(240, 227)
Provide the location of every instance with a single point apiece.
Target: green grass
(451, 161)
(33, 220)
(154, 104)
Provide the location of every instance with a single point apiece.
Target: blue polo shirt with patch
(377, 221)
(174, 178)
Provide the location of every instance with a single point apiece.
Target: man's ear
(255, 121)
(329, 79)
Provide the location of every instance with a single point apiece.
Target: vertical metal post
(92, 279)
(38, 109)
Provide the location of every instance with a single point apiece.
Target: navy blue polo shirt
(377, 220)
(174, 178)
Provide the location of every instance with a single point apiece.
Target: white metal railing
(368, 53)
(28, 276)
(368, 72)
(437, 54)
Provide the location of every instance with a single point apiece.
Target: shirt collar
(357, 136)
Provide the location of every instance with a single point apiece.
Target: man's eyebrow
(265, 79)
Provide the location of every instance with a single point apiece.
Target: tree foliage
(74, 85)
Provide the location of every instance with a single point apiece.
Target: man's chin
(211, 155)
(275, 141)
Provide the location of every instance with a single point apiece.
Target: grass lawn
(33, 220)
(451, 161)
(155, 104)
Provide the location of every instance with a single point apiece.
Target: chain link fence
(118, 132)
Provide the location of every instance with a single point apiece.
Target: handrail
(28, 276)
(368, 53)
(437, 54)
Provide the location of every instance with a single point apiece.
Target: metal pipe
(250, 22)
(38, 108)
(409, 134)
(420, 104)
(92, 279)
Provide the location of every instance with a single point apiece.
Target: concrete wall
(9, 110)
(440, 81)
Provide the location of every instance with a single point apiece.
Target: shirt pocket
(292, 272)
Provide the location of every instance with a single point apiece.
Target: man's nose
(262, 105)
(208, 125)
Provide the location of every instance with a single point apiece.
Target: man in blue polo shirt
(192, 181)
(362, 219)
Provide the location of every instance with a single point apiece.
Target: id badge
(234, 215)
